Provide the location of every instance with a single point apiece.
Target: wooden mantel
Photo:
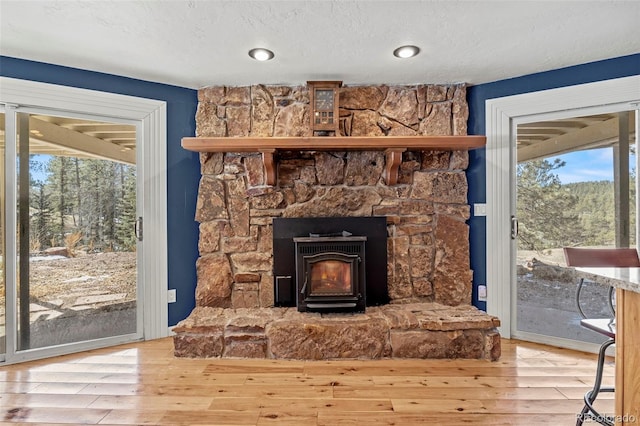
(393, 146)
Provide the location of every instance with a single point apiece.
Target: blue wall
(183, 167)
(477, 95)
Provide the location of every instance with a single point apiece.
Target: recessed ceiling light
(406, 51)
(261, 54)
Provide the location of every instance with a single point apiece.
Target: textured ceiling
(199, 43)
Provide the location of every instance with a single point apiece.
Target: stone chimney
(428, 243)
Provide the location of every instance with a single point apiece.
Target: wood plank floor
(144, 384)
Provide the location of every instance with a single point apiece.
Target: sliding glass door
(574, 188)
(2, 240)
(72, 272)
(81, 171)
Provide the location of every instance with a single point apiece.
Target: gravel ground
(560, 295)
(80, 298)
(89, 274)
(546, 301)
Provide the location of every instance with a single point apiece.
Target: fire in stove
(330, 273)
(330, 277)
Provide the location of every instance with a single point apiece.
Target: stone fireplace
(427, 263)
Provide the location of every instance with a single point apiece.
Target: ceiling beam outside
(100, 128)
(107, 135)
(540, 131)
(80, 142)
(599, 134)
(50, 138)
(565, 124)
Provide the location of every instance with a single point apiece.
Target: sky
(591, 165)
(38, 173)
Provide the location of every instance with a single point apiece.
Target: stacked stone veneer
(428, 244)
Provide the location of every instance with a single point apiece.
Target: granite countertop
(623, 278)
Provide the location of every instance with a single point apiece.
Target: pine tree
(41, 208)
(58, 186)
(100, 195)
(544, 208)
(126, 208)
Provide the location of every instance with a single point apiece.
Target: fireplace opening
(368, 277)
(330, 273)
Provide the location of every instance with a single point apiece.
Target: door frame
(150, 119)
(502, 116)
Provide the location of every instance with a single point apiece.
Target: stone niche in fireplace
(334, 264)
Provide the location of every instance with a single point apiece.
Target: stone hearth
(423, 330)
(428, 270)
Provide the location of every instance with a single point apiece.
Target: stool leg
(589, 398)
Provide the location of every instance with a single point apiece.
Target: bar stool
(605, 327)
(580, 257)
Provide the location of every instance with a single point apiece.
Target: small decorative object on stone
(323, 97)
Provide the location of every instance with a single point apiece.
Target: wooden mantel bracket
(393, 146)
(270, 167)
(392, 165)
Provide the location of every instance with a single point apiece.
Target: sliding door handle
(138, 228)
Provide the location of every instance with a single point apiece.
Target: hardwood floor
(144, 384)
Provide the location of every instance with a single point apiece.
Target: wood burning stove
(372, 274)
(330, 273)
